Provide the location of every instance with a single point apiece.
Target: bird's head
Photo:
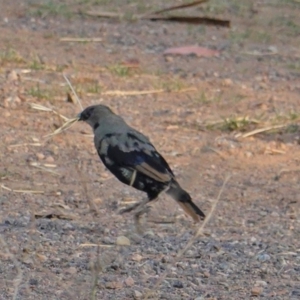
(94, 114)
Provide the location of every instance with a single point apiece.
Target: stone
(122, 241)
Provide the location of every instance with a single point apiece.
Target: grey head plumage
(95, 114)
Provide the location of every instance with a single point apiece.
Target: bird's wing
(133, 150)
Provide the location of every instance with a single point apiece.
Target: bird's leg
(140, 209)
(137, 218)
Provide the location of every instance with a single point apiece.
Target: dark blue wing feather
(135, 151)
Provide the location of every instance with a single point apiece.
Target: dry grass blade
(217, 152)
(103, 14)
(44, 168)
(44, 108)
(81, 40)
(68, 122)
(284, 171)
(21, 191)
(185, 5)
(207, 219)
(137, 93)
(19, 276)
(64, 127)
(24, 145)
(260, 130)
(95, 275)
(73, 91)
(132, 93)
(191, 241)
(96, 245)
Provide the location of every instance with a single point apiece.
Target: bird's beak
(79, 117)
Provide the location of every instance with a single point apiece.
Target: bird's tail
(185, 201)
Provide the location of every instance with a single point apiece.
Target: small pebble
(263, 257)
(122, 241)
(49, 159)
(227, 82)
(72, 270)
(12, 76)
(256, 291)
(260, 283)
(137, 257)
(206, 274)
(40, 156)
(113, 285)
(129, 281)
(178, 284)
(137, 295)
(149, 233)
(107, 240)
(98, 200)
(33, 281)
(248, 154)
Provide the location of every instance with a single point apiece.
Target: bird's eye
(85, 115)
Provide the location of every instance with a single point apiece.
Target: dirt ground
(57, 200)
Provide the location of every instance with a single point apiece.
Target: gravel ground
(61, 236)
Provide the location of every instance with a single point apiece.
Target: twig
(191, 241)
(21, 191)
(19, 277)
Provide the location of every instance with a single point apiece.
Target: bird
(132, 159)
